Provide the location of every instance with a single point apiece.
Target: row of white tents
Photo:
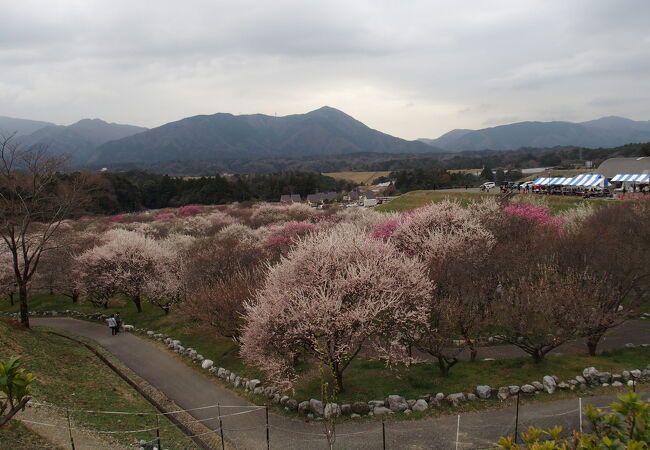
(592, 180)
(584, 180)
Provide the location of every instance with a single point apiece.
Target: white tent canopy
(637, 178)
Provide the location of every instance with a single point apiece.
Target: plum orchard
(295, 285)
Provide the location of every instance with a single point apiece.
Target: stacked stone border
(315, 409)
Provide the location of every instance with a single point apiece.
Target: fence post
(223, 443)
(67, 412)
(158, 433)
(268, 442)
(580, 412)
(517, 419)
(383, 433)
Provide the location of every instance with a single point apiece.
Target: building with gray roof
(616, 166)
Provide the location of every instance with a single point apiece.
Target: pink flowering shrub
(539, 214)
(384, 230)
(165, 216)
(119, 218)
(284, 236)
(189, 210)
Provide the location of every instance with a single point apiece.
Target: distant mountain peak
(611, 131)
(324, 131)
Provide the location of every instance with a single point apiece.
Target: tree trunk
(24, 309)
(11, 298)
(473, 352)
(592, 343)
(444, 365)
(537, 355)
(166, 309)
(13, 411)
(339, 380)
(75, 297)
(138, 303)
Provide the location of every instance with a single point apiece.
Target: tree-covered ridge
(135, 190)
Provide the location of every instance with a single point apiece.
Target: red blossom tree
(334, 293)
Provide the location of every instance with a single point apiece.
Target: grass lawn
(367, 379)
(16, 436)
(417, 199)
(68, 375)
(364, 178)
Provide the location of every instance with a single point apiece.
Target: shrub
(189, 210)
(537, 214)
(165, 216)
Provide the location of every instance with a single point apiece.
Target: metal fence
(251, 427)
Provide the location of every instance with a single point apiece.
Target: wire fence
(249, 427)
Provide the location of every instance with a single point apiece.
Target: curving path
(191, 389)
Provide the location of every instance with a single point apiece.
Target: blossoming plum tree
(333, 294)
(123, 264)
(454, 246)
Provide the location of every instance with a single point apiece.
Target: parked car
(488, 185)
(526, 183)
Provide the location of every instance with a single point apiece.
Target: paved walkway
(191, 389)
(633, 331)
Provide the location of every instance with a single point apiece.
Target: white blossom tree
(123, 264)
(165, 286)
(334, 293)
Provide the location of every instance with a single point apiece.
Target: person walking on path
(112, 323)
(118, 323)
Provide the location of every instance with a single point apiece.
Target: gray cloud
(414, 70)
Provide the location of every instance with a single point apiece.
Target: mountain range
(605, 132)
(79, 141)
(325, 132)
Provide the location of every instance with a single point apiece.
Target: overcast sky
(409, 68)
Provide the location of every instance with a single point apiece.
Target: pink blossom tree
(165, 216)
(334, 293)
(282, 237)
(538, 214)
(189, 210)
